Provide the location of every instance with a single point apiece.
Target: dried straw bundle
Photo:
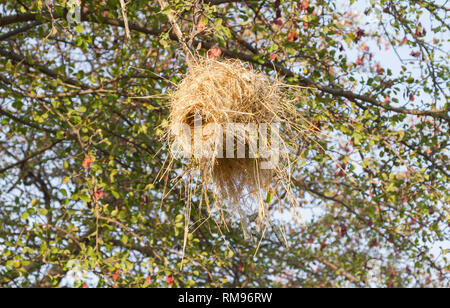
(223, 92)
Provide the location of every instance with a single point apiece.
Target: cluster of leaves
(83, 110)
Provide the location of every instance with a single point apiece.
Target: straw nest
(212, 95)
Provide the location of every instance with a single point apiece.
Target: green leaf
(43, 211)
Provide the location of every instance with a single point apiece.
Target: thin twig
(125, 18)
(177, 30)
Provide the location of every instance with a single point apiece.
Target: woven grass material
(222, 92)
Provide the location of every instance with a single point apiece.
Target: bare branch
(19, 30)
(31, 156)
(125, 18)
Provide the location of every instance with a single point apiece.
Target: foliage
(82, 111)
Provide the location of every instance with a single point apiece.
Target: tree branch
(24, 122)
(42, 68)
(177, 31)
(19, 30)
(20, 162)
(335, 91)
(125, 18)
(13, 19)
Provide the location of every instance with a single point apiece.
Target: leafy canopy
(82, 111)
